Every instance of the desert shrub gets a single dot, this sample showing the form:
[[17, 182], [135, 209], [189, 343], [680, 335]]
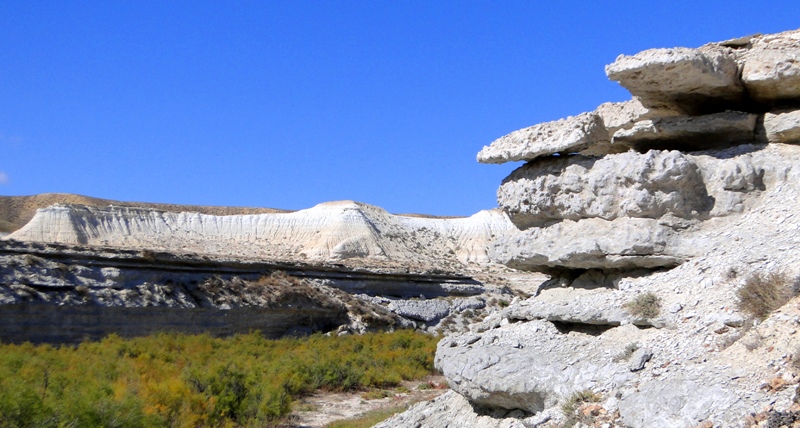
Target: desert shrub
[[376, 394], [572, 405], [762, 293], [626, 353], [196, 380], [644, 306]]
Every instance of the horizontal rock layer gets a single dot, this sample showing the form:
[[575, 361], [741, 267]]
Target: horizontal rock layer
[[572, 134], [629, 184]]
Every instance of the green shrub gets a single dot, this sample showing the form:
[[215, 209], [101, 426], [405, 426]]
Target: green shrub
[[199, 380], [644, 306], [762, 293]]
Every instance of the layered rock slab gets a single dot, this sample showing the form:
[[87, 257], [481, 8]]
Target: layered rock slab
[[572, 134], [625, 243], [693, 81], [690, 133]]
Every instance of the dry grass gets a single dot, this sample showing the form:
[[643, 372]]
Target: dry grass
[[571, 407], [644, 306], [763, 293]]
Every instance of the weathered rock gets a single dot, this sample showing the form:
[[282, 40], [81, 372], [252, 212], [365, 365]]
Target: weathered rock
[[690, 133], [694, 81], [569, 135], [485, 369], [783, 127], [449, 410], [639, 358], [771, 68], [630, 184], [422, 310], [618, 116], [623, 243], [676, 403], [622, 115]]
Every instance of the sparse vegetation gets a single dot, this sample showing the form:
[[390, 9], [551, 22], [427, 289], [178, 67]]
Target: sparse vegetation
[[626, 353], [196, 380], [763, 293], [376, 394], [368, 419], [571, 407], [644, 306]]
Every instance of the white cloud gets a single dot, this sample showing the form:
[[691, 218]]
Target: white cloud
[[3, 178]]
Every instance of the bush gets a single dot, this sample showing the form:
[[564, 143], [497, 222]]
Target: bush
[[644, 306], [196, 380], [762, 293], [571, 407]]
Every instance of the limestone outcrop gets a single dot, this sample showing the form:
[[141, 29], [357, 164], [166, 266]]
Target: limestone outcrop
[[648, 230]]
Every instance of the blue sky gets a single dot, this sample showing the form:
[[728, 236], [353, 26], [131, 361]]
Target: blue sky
[[287, 104]]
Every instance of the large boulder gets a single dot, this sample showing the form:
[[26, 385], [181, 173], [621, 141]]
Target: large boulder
[[485, 367]]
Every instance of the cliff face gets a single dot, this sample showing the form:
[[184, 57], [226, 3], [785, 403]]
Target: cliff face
[[65, 293], [651, 216]]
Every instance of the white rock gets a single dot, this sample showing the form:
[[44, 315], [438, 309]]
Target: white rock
[[771, 67], [621, 185], [572, 134], [783, 127], [689, 80]]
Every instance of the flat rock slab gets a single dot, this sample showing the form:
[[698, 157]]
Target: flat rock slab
[[624, 243], [573, 134], [694, 81], [423, 310], [690, 133], [783, 127]]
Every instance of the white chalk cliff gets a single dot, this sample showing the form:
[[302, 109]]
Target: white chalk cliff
[[331, 231]]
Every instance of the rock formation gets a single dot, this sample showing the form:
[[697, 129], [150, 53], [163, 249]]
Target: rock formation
[[650, 215]]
